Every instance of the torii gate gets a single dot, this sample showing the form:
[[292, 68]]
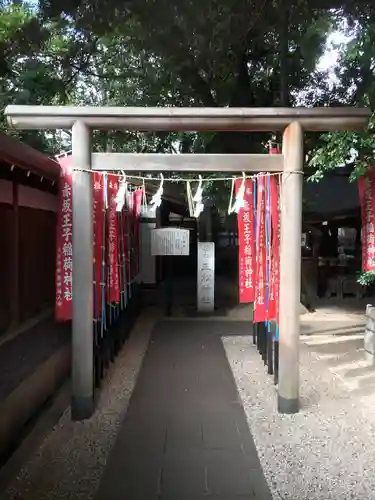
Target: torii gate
[[291, 121]]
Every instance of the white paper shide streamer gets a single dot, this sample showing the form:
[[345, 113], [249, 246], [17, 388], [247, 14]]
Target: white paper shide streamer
[[240, 196], [122, 194], [197, 199], [157, 198], [195, 202]]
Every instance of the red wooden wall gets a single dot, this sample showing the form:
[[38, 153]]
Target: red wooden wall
[[34, 287], [5, 270]]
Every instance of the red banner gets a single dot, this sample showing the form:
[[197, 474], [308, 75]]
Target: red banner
[[125, 241], [99, 213], [366, 187], [274, 264], [274, 150], [64, 243], [138, 202], [261, 253], [131, 224], [113, 270], [138, 196], [246, 244]]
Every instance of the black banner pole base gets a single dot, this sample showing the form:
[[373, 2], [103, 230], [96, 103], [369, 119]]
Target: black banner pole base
[[255, 333], [263, 332], [270, 352], [276, 362]]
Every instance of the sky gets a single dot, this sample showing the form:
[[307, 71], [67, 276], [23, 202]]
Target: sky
[[330, 57], [335, 44]]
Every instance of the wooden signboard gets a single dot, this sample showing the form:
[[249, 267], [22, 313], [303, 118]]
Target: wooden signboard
[[170, 241]]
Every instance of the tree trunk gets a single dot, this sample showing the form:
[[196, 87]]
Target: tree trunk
[[284, 50]]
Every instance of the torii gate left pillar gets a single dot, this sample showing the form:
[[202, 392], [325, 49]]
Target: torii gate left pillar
[[83, 403]]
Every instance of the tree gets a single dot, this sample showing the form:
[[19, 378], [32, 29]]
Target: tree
[[162, 53], [355, 86], [40, 63], [212, 53]]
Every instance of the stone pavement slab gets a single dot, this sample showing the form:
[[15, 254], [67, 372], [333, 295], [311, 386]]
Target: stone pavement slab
[[185, 434]]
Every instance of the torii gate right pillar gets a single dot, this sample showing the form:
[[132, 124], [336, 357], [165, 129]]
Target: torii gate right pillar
[[290, 269]]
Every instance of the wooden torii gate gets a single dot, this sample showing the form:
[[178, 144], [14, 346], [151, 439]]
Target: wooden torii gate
[[291, 121]]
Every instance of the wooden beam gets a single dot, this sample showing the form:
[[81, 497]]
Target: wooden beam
[[154, 162], [188, 119]]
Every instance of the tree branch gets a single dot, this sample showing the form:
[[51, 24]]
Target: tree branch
[[242, 95], [284, 50], [201, 88]]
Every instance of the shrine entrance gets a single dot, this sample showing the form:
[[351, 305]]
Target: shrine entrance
[[292, 122]]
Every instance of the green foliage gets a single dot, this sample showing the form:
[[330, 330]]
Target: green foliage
[[189, 53], [212, 53], [40, 63], [161, 53], [355, 86], [366, 279], [343, 148]]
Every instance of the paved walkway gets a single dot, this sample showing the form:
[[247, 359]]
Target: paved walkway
[[185, 435]]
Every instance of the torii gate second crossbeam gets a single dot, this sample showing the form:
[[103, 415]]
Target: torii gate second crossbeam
[[291, 121]]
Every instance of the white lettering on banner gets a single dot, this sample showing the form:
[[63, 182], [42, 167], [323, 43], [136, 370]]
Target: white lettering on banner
[[68, 249], [58, 280], [370, 230], [112, 243], [67, 192], [246, 270], [248, 283], [170, 241], [66, 226], [66, 206], [68, 264]]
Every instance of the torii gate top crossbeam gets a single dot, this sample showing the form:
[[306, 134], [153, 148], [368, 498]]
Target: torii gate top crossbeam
[[188, 119]]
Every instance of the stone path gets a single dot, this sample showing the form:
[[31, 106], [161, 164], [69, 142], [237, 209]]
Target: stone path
[[185, 434], [340, 348]]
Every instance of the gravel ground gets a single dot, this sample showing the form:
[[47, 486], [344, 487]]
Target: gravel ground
[[325, 451], [69, 463]]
